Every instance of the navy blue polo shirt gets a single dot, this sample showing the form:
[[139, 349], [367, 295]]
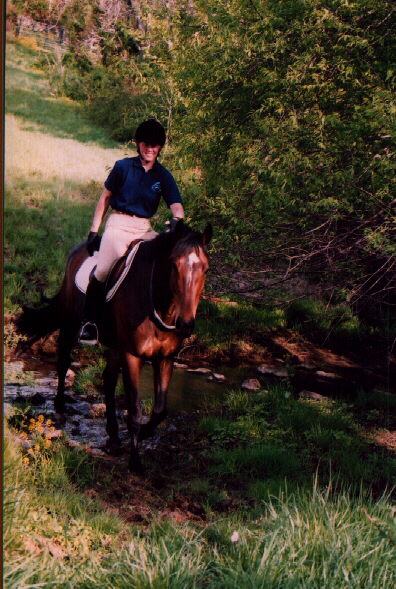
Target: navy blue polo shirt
[[138, 192]]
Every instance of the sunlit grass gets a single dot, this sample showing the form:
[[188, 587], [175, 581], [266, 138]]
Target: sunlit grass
[[33, 153]]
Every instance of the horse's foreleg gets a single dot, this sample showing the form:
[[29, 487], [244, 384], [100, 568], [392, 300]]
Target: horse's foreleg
[[110, 377], [65, 345], [163, 370], [131, 374]]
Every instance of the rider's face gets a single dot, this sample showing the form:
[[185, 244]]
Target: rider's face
[[148, 152]]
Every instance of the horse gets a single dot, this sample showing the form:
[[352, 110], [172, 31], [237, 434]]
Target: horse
[[150, 314]]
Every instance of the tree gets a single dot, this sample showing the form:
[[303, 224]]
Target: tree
[[286, 108]]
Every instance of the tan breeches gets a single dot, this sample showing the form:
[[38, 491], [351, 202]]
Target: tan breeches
[[120, 230]]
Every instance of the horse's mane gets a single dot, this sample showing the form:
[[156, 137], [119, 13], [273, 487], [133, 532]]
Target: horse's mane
[[189, 241], [165, 242]]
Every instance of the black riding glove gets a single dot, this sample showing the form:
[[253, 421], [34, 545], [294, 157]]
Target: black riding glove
[[93, 242], [174, 222]]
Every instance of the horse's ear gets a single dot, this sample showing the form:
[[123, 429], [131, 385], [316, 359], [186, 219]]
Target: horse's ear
[[207, 234]]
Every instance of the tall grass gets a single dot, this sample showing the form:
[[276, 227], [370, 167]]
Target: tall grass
[[55, 536]]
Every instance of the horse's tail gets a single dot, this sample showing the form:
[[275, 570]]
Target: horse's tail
[[36, 323]]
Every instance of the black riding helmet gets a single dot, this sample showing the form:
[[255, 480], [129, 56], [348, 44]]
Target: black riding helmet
[[151, 132]]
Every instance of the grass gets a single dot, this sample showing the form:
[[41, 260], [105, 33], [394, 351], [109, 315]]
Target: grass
[[28, 97], [335, 324], [312, 537], [225, 324], [36, 253], [270, 437], [37, 154], [52, 182]]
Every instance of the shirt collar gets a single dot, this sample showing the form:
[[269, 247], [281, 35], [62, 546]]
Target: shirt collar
[[138, 164]]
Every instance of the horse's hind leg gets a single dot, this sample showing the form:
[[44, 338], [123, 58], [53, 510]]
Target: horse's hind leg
[[66, 341], [110, 377], [131, 373]]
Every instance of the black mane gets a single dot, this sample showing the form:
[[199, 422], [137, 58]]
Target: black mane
[[165, 244], [189, 241]]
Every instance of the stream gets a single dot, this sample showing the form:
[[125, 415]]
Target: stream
[[31, 382]]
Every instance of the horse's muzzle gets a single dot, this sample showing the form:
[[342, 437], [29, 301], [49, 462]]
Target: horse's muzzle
[[185, 327]]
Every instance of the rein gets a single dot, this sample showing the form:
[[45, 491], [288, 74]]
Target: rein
[[154, 316]]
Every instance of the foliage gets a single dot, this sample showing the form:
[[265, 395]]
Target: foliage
[[36, 9], [283, 113], [286, 109]]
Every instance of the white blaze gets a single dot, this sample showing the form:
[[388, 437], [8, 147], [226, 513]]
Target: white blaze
[[192, 259]]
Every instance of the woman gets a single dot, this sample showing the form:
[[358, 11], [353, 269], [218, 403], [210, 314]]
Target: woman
[[133, 190]]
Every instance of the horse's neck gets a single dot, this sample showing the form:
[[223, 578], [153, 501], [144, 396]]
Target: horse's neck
[[162, 294]]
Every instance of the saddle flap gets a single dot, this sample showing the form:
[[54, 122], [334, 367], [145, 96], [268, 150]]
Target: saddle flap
[[117, 274], [120, 269]]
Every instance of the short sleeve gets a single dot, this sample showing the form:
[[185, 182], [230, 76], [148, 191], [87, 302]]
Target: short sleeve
[[114, 179], [170, 190]]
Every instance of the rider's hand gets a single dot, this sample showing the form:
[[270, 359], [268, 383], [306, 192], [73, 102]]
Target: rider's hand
[[174, 222], [93, 242]]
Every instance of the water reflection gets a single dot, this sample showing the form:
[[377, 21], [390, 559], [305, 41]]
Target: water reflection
[[189, 391]]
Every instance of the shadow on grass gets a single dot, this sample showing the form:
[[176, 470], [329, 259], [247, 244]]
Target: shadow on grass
[[264, 444], [58, 117]]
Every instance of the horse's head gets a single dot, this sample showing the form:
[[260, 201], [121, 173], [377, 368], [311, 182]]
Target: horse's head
[[189, 267]]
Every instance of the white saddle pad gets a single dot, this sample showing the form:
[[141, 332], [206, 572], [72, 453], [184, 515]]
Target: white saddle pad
[[84, 272]]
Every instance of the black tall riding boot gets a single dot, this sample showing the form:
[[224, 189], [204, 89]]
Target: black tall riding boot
[[94, 301]]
